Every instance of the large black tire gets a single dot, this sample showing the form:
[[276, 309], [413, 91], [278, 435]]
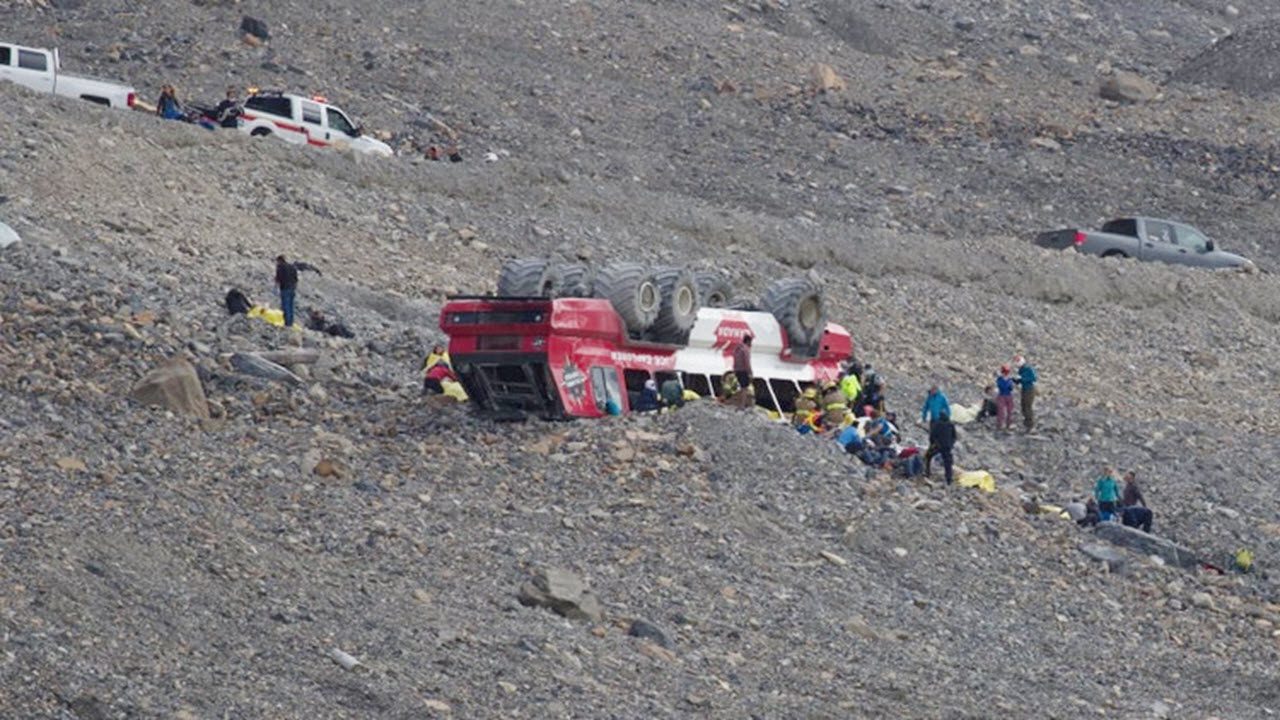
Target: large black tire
[[678, 308], [632, 291], [713, 290], [571, 280], [525, 277], [801, 310]]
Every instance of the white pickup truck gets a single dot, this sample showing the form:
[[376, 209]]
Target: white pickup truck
[[41, 70], [311, 121]]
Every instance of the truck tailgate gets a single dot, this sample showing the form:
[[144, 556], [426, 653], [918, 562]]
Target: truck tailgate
[[1059, 239]]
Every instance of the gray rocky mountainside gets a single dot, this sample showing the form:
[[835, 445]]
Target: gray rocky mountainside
[[334, 546]]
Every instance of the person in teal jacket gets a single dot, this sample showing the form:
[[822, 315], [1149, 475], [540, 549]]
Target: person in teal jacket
[[1027, 380], [935, 406], [1106, 490]]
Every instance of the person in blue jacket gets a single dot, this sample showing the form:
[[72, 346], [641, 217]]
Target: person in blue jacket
[[1027, 380], [935, 406]]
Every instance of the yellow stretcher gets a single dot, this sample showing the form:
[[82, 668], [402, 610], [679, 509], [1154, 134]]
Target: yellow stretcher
[[980, 479]]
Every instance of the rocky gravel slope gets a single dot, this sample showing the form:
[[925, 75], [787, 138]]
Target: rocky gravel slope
[[153, 565]]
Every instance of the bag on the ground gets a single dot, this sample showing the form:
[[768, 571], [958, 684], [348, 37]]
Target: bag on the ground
[[1243, 560]]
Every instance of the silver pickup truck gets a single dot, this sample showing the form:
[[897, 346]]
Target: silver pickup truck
[[1145, 239]]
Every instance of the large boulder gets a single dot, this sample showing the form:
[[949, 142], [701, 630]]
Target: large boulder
[[8, 236], [257, 366], [563, 592], [254, 27], [1128, 88], [1147, 544], [174, 386]]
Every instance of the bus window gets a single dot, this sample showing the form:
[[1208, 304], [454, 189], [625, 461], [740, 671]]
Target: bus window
[[786, 391], [715, 385], [634, 379], [662, 377], [698, 384], [604, 385], [764, 398]]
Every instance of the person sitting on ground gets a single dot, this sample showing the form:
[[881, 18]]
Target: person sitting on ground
[[908, 462], [318, 322], [168, 106], [873, 393], [1106, 490], [988, 408], [877, 427], [671, 394], [648, 400], [891, 426], [1134, 512], [850, 440], [237, 302], [1091, 514], [227, 113], [942, 441], [873, 454], [436, 375]]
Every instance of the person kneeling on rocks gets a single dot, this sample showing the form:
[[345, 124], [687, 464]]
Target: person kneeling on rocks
[[436, 375], [1133, 507]]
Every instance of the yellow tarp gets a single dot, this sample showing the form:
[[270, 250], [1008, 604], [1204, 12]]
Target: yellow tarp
[[1045, 509], [271, 315], [980, 479], [454, 390], [963, 415]]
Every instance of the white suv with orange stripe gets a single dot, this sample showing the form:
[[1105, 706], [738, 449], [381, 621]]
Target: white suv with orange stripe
[[310, 121]]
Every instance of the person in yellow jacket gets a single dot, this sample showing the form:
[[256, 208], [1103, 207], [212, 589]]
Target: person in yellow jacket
[[851, 387], [834, 406], [437, 354], [808, 400]]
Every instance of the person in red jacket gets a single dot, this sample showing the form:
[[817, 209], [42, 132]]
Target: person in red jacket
[[435, 375]]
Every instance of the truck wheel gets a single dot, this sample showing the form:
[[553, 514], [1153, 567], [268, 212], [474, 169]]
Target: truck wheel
[[1114, 254], [633, 293], [799, 307], [260, 132], [713, 290], [570, 280], [678, 308], [525, 277]]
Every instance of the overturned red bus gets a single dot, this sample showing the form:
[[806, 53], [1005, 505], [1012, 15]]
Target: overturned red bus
[[568, 357]]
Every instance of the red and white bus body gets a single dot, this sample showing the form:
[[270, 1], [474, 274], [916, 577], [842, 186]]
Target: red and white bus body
[[568, 357]]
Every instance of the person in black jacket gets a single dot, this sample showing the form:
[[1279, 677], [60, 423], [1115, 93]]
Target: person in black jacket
[[227, 113], [287, 282], [942, 441]]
